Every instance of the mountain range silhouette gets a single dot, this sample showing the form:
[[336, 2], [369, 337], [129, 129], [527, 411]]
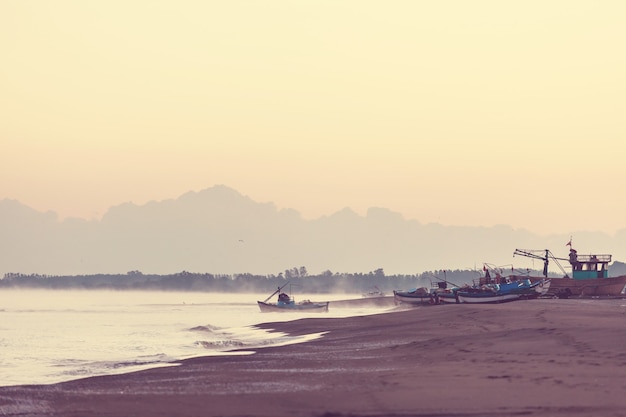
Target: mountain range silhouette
[[218, 230]]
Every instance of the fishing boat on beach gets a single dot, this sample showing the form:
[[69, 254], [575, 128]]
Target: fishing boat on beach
[[286, 303], [448, 297], [438, 294], [501, 292], [445, 294], [420, 296], [590, 274]]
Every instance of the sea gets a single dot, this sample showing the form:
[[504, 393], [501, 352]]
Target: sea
[[50, 336]]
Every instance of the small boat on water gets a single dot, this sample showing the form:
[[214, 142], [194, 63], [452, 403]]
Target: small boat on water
[[590, 274], [287, 303], [374, 292]]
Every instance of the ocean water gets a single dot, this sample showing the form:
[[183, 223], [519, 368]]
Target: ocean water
[[49, 336]]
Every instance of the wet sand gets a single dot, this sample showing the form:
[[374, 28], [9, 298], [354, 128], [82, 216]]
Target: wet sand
[[531, 358]]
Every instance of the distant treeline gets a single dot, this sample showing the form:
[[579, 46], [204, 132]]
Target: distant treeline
[[326, 282]]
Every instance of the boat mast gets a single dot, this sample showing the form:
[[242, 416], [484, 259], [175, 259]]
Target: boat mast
[[276, 292], [533, 254]]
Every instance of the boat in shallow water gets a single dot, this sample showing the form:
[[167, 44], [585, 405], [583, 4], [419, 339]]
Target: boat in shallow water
[[305, 305], [373, 293], [287, 303]]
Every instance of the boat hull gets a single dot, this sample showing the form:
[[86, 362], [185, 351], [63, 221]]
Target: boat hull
[[523, 289], [448, 298], [485, 298], [418, 298], [306, 307], [612, 286]]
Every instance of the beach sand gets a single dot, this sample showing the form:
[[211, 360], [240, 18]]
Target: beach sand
[[530, 358]]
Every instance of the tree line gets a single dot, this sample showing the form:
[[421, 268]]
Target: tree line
[[298, 278]]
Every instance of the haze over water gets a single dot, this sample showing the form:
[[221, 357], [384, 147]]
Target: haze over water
[[53, 336]]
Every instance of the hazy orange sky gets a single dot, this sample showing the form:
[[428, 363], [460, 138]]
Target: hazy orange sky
[[456, 112]]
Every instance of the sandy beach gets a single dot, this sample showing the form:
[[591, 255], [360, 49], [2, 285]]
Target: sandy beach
[[532, 358]]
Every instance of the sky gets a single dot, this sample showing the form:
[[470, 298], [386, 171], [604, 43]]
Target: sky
[[465, 113]]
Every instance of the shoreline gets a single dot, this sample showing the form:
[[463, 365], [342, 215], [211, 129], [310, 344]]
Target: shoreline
[[535, 357], [47, 340]]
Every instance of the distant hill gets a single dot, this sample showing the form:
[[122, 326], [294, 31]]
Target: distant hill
[[220, 231]]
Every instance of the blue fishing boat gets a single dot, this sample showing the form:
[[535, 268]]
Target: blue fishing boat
[[502, 292]]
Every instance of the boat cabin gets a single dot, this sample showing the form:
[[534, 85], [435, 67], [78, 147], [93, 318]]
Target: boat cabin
[[284, 298], [589, 266]]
